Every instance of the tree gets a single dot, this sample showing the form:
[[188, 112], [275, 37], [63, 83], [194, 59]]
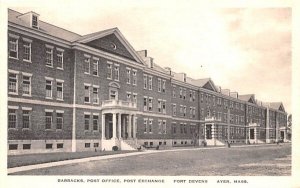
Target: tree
[[289, 127]]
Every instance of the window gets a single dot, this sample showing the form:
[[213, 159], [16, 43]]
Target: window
[[145, 103], [95, 122], [113, 94], [86, 94], [159, 105], [96, 145], [150, 125], [174, 91], [150, 101], [48, 120], [237, 106], [128, 96], [145, 125], [164, 107], [13, 83], [86, 122], [12, 146], [117, 71], [35, 22], [49, 88], [95, 67], [26, 85], [134, 77], [60, 59], [13, 46], [159, 84], [12, 118], [145, 81], [87, 145], [174, 128], [134, 97], [26, 146], [59, 145], [191, 95], [164, 125], [59, 120], [27, 51], [194, 95], [109, 71], [184, 94], [159, 126], [49, 146], [49, 56], [150, 82], [181, 110], [86, 66], [59, 90], [191, 112], [164, 86], [180, 93], [128, 75], [184, 111], [26, 119], [174, 109], [95, 95], [184, 129]]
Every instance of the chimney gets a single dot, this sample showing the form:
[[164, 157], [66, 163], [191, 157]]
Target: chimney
[[184, 77], [234, 94], [169, 70], [142, 53]]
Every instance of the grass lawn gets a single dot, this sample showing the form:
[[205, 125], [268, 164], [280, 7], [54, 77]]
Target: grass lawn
[[30, 159], [268, 160]]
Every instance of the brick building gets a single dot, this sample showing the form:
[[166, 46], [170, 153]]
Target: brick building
[[68, 92]]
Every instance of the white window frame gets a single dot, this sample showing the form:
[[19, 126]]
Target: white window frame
[[30, 83], [95, 95], [163, 86], [89, 93], [15, 44], [16, 73], [164, 126], [49, 56], [134, 97], [145, 78], [95, 64], [174, 109], [109, 70], [150, 126], [15, 108], [51, 85], [150, 80], [128, 75], [160, 126], [62, 89], [128, 96], [60, 58], [159, 84], [150, 104], [174, 91], [28, 46], [117, 72], [145, 99], [87, 64], [62, 119], [134, 77], [51, 119]]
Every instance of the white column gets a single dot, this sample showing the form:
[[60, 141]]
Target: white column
[[119, 125], [103, 127], [134, 126], [114, 125], [129, 126]]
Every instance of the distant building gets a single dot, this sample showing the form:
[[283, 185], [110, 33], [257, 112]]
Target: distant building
[[68, 92]]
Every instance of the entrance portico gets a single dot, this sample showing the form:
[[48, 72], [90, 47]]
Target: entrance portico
[[118, 125]]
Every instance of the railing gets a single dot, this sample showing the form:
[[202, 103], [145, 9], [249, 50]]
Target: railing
[[118, 103], [212, 118]]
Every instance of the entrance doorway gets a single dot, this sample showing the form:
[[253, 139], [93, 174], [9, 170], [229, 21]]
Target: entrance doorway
[[208, 132], [251, 133]]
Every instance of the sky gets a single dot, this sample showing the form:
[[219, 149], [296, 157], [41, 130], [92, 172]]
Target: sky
[[244, 49]]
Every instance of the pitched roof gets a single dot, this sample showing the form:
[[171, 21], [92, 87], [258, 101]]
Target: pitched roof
[[201, 82], [44, 27], [277, 106], [247, 97]]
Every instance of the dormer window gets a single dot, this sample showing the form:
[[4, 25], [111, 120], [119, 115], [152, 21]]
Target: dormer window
[[35, 22]]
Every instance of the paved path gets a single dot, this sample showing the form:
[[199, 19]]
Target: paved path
[[73, 161]]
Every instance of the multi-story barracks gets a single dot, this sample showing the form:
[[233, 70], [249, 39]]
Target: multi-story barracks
[[68, 92]]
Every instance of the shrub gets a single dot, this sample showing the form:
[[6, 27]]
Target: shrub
[[115, 148]]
